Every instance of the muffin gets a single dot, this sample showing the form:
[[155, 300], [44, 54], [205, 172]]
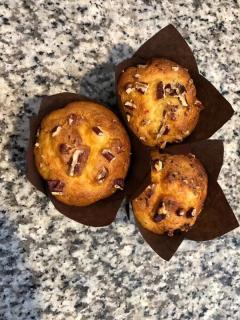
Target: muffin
[[159, 101], [83, 152], [176, 195]]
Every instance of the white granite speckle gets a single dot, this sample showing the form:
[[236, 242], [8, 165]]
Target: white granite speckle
[[54, 268]]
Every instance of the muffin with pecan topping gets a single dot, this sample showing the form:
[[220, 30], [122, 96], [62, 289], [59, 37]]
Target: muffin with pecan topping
[[176, 195], [83, 152], [159, 101]]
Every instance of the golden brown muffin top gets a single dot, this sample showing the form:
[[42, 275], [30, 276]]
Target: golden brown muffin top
[[176, 195], [159, 101], [83, 151]]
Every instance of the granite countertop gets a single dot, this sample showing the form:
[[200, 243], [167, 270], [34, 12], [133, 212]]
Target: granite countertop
[[52, 267]]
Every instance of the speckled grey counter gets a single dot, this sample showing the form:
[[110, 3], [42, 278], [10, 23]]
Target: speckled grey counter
[[54, 268]]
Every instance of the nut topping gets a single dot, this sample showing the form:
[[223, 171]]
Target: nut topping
[[141, 87], [108, 155], [137, 76], [191, 213], [180, 88], [162, 144], [170, 233], [175, 68], [55, 131], [170, 89], [149, 191], [118, 183], [158, 217], [36, 144], [129, 88], [56, 187], [182, 99], [79, 160], [74, 161], [157, 165], [64, 148], [130, 105], [128, 115], [166, 131], [180, 212], [97, 130], [72, 119], [160, 90], [199, 104], [102, 174], [142, 66], [161, 131]]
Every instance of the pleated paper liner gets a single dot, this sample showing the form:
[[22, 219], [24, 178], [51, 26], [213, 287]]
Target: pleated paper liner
[[104, 211], [169, 44], [216, 218]]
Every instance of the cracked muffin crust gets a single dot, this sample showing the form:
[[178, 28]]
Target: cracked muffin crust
[[176, 195], [159, 101], [83, 152]]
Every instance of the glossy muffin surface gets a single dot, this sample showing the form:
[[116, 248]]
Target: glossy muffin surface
[[159, 101], [176, 195], [83, 153]]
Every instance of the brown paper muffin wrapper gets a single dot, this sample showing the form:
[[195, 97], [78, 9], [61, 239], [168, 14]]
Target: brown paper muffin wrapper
[[217, 218], [104, 211]]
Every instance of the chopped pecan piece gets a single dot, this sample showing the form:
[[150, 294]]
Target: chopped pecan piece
[[128, 115], [162, 144], [72, 119], [79, 160], [149, 191], [161, 131], [64, 148], [160, 90], [166, 131], [56, 130], [182, 99], [191, 213], [118, 183], [108, 155], [157, 165], [161, 212], [56, 187], [97, 130], [130, 105], [102, 175], [180, 88], [129, 88], [141, 87], [175, 68], [199, 104], [170, 233], [170, 89], [158, 217], [180, 212]]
